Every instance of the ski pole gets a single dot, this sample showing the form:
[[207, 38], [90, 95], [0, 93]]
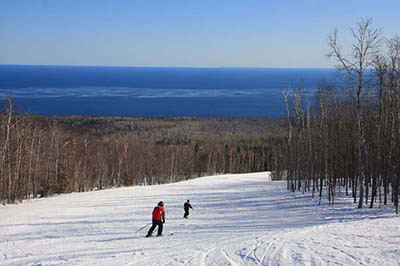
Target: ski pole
[[142, 228]]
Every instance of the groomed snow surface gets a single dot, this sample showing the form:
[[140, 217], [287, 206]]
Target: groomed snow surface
[[238, 220]]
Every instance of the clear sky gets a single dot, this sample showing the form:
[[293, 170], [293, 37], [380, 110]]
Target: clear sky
[[216, 33]]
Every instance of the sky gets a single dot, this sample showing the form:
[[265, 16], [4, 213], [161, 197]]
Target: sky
[[171, 33]]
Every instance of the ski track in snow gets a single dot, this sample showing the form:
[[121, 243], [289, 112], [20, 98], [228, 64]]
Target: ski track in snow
[[237, 220]]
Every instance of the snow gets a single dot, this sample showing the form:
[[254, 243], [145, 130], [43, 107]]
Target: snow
[[237, 220]]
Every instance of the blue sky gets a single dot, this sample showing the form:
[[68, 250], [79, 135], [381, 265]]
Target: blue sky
[[215, 33]]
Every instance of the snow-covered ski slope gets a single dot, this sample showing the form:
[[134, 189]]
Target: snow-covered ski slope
[[238, 220]]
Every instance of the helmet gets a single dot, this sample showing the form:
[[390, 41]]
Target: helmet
[[160, 203]]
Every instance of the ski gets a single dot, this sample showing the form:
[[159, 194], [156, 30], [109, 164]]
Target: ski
[[169, 234]]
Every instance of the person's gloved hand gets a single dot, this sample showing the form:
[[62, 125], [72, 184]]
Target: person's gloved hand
[[163, 221]]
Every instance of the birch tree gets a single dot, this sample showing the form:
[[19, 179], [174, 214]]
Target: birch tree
[[365, 47]]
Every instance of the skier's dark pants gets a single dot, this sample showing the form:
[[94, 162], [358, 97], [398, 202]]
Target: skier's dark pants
[[186, 214], [160, 227]]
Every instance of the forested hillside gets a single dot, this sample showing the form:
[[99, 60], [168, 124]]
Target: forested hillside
[[40, 156]]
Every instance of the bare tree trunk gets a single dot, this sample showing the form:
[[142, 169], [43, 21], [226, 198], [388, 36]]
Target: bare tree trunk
[[290, 185]]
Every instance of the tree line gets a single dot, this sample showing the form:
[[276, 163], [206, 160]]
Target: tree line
[[42, 156], [346, 138]]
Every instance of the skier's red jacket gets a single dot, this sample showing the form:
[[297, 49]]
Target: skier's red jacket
[[158, 213]]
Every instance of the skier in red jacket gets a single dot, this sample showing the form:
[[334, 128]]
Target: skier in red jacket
[[158, 219]]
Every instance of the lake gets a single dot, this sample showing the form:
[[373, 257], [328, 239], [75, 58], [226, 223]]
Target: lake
[[154, 91]]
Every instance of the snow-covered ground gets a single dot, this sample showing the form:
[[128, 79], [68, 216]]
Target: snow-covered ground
[[238, 220]]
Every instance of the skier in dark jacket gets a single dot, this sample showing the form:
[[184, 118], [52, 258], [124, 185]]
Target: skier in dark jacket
[[158, 219], [186, 207]]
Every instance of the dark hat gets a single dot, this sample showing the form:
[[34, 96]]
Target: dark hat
[[160, 203]]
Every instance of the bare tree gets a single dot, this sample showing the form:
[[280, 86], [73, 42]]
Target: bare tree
[[365, 47]]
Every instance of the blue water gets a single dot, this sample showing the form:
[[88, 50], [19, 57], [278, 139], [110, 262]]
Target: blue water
[[153, 91]]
